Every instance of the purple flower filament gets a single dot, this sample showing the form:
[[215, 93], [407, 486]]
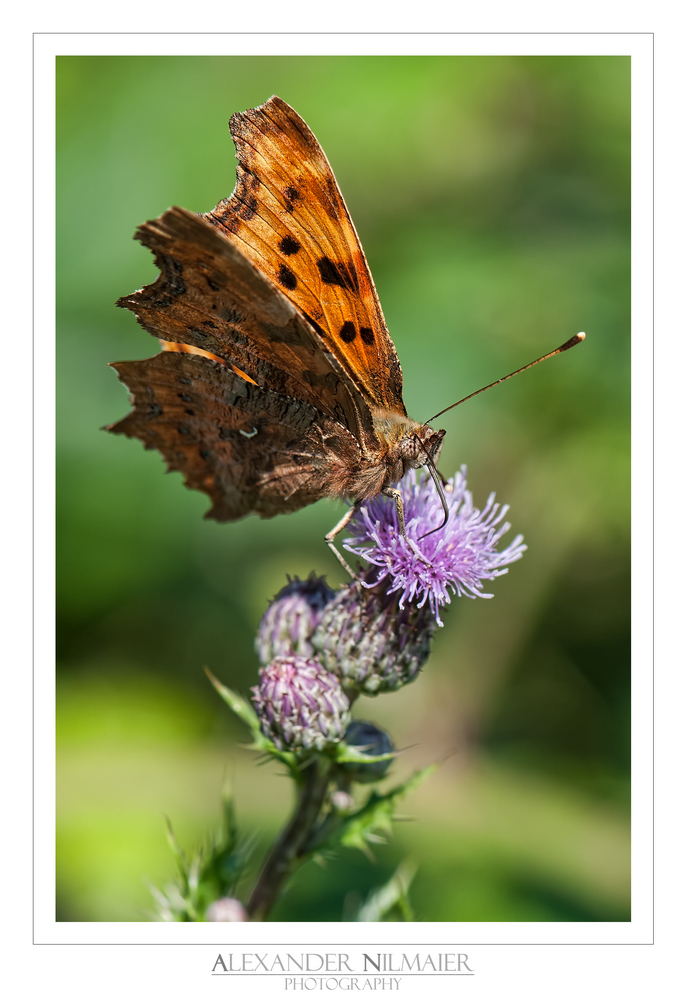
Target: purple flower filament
[[457, 558]]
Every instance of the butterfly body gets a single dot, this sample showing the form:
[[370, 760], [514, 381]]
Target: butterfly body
[[278, 383]]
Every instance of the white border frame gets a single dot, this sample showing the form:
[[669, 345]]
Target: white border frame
[[640, 47]]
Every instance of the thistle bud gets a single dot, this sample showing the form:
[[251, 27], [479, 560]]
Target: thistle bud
[[372, 643], [301, 706], [369, 739], [291, 619]]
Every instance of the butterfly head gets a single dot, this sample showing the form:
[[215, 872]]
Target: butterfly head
[[409, 445], [420, 446]]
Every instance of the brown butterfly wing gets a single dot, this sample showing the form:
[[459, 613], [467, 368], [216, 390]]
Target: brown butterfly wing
[[287, 216], [210, 297], [286, 362], [247, 447]]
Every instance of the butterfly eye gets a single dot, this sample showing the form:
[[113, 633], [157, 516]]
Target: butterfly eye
[[410, 447]]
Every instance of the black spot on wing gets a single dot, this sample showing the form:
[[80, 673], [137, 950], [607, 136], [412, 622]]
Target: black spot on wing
[[230, 221], [247, 209], [291, 196], [367, 335], [348, 332], [337, 274], [352, 276], [329, 272], [287, 278], [289, 246], [245, 203]]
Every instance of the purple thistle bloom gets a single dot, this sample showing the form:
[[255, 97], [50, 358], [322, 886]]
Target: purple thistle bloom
[[456, 558], [301, 706], [291, 618]]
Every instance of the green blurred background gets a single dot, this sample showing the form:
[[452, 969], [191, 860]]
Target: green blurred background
[[492, 196]]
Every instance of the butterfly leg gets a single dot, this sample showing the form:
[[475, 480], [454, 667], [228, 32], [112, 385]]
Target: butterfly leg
[[329, 538], [397, 497]]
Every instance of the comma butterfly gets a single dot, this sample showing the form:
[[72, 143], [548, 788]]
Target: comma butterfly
[[278, 383]]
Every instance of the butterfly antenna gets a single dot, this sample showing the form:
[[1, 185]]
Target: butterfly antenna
[[437, 482], [577, 339]]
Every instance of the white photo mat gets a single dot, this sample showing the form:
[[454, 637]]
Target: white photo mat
[[484, 943]]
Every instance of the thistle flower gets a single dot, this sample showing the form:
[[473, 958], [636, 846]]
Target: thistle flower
[[369, 739], [301, 706], [226, 910], [424, 570], [291, 619], [369, 641], [342, 801]]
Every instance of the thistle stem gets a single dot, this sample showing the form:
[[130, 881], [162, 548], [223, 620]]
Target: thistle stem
[[292, 842]]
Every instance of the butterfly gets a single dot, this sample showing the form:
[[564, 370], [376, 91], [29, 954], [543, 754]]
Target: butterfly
[[278, 383]]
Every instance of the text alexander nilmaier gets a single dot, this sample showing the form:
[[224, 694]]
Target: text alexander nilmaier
[[416, 963]]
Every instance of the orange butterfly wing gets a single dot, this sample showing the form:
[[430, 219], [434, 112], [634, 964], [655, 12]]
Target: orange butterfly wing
[[287, 216]]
